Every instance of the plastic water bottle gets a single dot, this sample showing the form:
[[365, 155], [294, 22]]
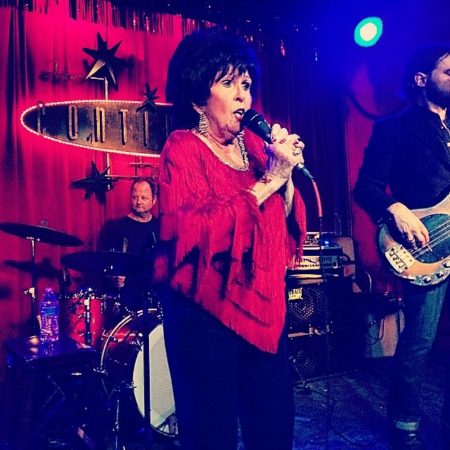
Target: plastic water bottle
[[49, 312]]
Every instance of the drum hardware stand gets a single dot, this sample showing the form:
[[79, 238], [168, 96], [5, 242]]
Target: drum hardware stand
[[171, 423], [141, 341], [117, 394], [31, 291], [86, 298], [100, 370], [156, 304], [147, 304], [117, 307], [138, 342], [87, 317], [146, 361], [65, 281]]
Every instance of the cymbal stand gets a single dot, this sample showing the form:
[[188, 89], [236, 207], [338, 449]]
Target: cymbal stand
[[116, 424], [117, 394], [31, 291], [147, 304], [146, 361]]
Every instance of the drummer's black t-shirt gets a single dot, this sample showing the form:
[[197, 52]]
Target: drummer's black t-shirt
[[128, 235]]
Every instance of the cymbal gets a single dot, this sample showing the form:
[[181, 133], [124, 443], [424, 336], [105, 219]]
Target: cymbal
[[108, 262], [40, 233]]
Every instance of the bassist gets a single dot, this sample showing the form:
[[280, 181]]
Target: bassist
[[410, 154]]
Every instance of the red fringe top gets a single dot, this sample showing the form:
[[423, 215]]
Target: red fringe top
[[226, 253]]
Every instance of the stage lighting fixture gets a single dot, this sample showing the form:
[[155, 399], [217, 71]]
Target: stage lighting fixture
[[368, 31]]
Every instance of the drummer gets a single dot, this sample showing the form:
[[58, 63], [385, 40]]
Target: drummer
[[135, 233]]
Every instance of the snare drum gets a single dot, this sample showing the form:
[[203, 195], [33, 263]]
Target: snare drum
[[122, 363], [80, 313]]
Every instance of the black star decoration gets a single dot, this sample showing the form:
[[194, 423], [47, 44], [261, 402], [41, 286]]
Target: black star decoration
[[97, 183], [149, 103], [105, 60]]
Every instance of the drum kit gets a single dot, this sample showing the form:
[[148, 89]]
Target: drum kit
[[132, 360]]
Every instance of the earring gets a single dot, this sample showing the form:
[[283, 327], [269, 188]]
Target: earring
[[202, 124]]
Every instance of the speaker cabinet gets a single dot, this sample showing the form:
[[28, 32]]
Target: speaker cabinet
[[307, 307], [316, 356], [323, 326], [317, 305]]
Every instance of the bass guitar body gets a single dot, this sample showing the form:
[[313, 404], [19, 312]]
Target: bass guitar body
[[424, 266]]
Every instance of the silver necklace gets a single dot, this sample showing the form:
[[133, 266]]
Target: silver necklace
[[240, 141]]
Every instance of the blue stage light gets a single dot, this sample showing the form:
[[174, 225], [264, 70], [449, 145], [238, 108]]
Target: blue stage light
[[368, 31]]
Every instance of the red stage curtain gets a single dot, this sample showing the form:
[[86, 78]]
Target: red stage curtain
[[36, 173]]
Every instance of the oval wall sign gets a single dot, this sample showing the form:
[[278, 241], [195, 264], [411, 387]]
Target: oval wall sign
[[106, 125]]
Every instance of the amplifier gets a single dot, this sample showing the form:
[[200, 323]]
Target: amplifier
[[318, 259], [308, 310], [319, 305]]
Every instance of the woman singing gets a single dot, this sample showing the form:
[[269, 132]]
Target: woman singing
[[229, 215]]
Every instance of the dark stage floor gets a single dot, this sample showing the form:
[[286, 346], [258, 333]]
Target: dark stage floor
[[349, 411], [345, 411]]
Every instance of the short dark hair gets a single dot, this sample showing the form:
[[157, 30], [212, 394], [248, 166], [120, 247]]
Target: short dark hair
[[149, 181], [193, 67], [423, 60]]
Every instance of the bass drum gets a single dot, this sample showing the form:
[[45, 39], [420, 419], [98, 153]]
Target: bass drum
[[122, 363]]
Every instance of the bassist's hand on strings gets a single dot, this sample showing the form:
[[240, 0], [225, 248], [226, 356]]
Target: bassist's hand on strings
[[409, 225]]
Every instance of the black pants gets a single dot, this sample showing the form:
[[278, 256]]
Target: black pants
[[218, 377]]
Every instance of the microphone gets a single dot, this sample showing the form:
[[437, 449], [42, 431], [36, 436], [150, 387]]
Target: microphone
[[255, 122]]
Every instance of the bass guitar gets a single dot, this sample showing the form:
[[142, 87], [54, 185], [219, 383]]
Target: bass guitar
[[424, 266]]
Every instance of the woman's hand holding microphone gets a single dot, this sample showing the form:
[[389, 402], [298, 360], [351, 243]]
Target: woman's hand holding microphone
[[284, 154]]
